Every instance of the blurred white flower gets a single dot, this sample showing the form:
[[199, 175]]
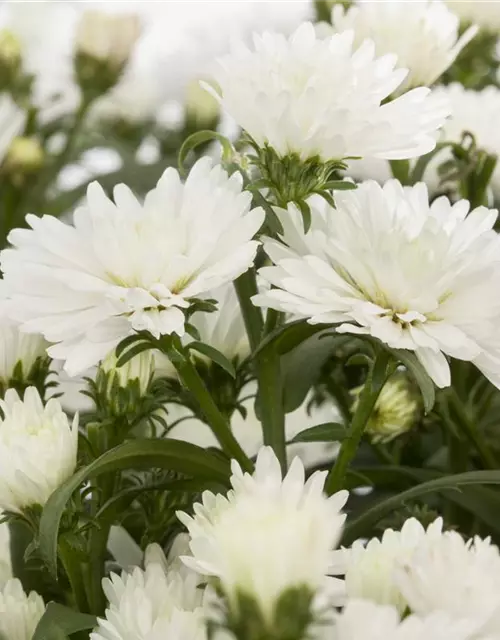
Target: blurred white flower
[[152, 603], [315, 97], [12, 121], [18, 348], [5, 562], [245, 539], [364, 620], [460, 577], [106, 37], [473, 112], [248, 430], [37, 449], [485, 13], [370, 568], [424, 35], [386, 263], [129, 266], [19, 613]]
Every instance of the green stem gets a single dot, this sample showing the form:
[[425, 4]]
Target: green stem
[[367, 399], [470, 430], [73, 569], [246, 288], [216, 421]]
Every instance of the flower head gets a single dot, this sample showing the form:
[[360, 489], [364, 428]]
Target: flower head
[[5, 560], [152, 603], [245, 540], [370, 569], [126, 266], [388, 264], [424, 35], [313, 97], [19, 613], [37, 449]]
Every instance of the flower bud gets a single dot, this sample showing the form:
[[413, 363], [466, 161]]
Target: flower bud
[[38, 448], [19, 613], [24, 359], [396, 410], [104, 43], [25, 155], [10, 58], [202, 109]]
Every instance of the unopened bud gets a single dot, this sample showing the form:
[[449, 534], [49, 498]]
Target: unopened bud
[[104, 43], [202, 109], [10, 58], [140, 368], [25, 156]]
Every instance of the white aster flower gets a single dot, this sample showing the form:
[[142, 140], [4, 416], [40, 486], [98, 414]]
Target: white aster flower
[[244, 540], [460, 577], [5, 561], [386, 263], [128, 266], [314, 97], [485, 13], [37, 449], [424, 35], [370, 569], [12, 120], [364, 620], [18, 348], [152, 603], [19, 613]]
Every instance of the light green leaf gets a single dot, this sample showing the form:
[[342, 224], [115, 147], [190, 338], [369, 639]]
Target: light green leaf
[[200, 137], [326, 432], [214, 355], [58, 622]]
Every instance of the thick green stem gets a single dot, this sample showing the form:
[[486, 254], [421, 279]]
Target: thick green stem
[[246, 288], [267, 367], [216, 421], [367, 400], [73, 569]]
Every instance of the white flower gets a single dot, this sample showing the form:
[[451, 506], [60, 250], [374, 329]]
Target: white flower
[[19, 613], [485, 13], [152, 603], [12, 120], [424, 35], [18, 348], [461, 577], [246, 541], [108, 37], [129, 266], [37, 449], [370, 569], [317, 97], [473, 112], [364, 620], [5, 561], [386, 263]]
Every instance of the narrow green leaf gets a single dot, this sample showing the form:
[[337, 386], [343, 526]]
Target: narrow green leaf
[[326, 432], [401, 170], [201, 137], [59, 621], [130, 340], [133, 351], [425, 383], [288, 336], [362, 524], [214, 355], [340, 185], [305, 210], [165, 454], [272, 221]]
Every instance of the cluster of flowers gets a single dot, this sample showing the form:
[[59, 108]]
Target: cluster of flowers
[[409, 270]]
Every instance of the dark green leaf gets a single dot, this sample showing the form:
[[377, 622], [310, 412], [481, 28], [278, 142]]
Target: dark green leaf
[[305, 210], [326, 432], [363, 523], [410, 361], [288, 336], [165, 454], [136, 349], [214, 355], [272, 222], [59, 621], [201, 137], [401, 170], [340, 185]]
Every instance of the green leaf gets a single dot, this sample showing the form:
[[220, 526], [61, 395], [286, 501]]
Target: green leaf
[[340, 185], [401, 170], [214, 355], [305, 210], [165, 454], [272, 221], [59, 621], [425, 383], [363, 523], [201, 137], [136, 349], [288, 336], [326, 432]]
